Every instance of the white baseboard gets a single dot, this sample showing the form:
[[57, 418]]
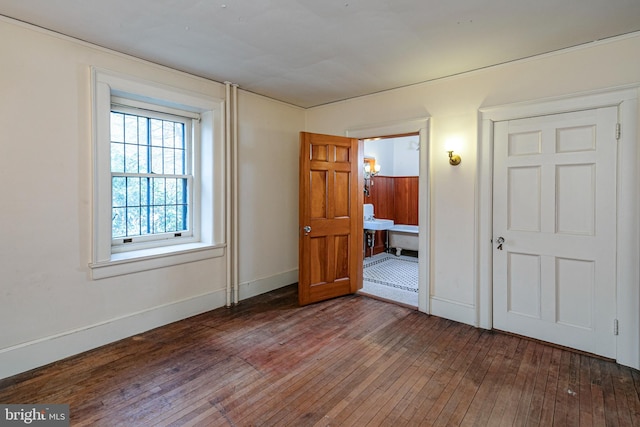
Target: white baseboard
[[267, 284], [453, 310], [33, 354]]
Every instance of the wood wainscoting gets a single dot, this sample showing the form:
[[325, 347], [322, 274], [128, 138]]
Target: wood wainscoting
[[396, 198], [349, 361]]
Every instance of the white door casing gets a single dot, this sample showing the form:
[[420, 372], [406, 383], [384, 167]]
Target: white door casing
[[554, 276]]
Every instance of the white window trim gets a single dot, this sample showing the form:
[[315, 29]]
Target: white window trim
[[211, 240]]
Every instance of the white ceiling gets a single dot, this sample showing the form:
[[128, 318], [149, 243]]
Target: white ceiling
[[312, 52]]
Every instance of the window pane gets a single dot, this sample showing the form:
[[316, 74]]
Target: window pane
[[145, 197], [143, 128], [181, 217], [168, 133], [133, 191], [179, 130], [156, 132], [117, 127], [144, 219], [181, 191], [158, 219], [117, 157], [158, 192], [118, 192], [156, 160], [131, 158], [171, 218], [171, 191], [130, 129], [143, 140], [118, 222], [133, 221], [143, 158], [180, 170], [169, 163]]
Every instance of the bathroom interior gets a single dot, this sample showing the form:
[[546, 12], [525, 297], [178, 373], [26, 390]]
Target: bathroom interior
[[391, 170]]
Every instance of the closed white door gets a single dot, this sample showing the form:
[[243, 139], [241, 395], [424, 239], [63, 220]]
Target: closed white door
[[555, 229]]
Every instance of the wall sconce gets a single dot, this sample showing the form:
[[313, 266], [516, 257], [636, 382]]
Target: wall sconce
[[371, 169], [454, 159]]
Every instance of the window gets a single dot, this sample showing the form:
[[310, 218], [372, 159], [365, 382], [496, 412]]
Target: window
[[151, 176], [158, 192]]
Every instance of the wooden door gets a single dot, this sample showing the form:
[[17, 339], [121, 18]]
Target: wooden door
[[555, 209], [331, 233]]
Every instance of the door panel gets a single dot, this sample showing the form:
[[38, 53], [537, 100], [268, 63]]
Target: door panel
[[524, 284], [524, 187], [575, 199], [331, 198], [555, 208]]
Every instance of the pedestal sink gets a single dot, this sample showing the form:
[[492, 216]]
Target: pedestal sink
[[373, 225], [378, 224]]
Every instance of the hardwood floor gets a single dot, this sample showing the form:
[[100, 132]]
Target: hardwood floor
[[348, 361]]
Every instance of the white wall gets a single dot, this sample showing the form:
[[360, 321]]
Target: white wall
[[406, 159], [382, 151], [268, 200], [396, 156], [453, 105], [49, 306]]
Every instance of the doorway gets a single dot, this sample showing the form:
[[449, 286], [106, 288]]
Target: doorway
[[419, 128], [391, 194]]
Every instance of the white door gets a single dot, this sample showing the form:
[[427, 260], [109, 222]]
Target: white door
[[555, 207]]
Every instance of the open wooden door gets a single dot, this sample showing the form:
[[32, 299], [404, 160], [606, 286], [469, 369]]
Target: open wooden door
[[331, 233]]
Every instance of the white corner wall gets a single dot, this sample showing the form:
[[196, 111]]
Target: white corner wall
[[453, 105], [49, 306], [269, 145]]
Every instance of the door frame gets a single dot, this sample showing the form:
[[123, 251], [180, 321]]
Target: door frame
[[420, 126], [627, 188]]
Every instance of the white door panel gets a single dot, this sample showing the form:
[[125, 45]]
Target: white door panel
[[555, 207]]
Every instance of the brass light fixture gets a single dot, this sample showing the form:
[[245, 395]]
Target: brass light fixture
[[454, 159], [371, 169]]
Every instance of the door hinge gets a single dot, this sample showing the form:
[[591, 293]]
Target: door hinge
[[618, 131], [615, 326]]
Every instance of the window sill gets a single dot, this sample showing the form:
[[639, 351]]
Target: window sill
[[150, 259]]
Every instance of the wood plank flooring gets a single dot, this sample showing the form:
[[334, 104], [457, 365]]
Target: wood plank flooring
[[352, 361]]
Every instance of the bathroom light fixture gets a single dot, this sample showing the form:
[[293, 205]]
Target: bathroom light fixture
[[454, 159], [369, 174], [376, 169]]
